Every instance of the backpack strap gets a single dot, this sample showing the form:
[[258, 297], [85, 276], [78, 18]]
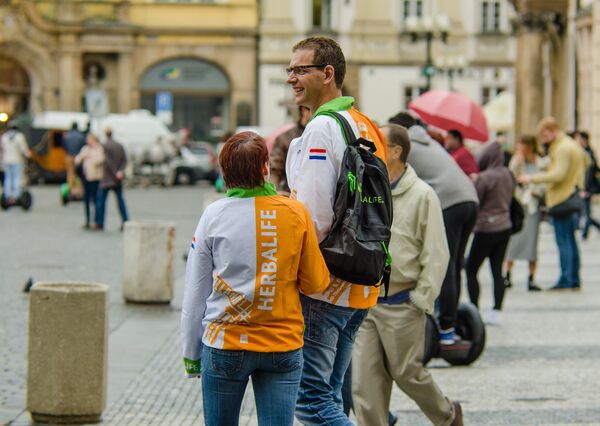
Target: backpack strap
[[348, 133]]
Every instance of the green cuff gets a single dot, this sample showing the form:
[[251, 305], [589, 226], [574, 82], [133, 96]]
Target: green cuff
[[192, 367]]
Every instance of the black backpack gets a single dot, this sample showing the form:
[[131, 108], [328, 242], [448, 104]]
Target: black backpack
[[356, 249]]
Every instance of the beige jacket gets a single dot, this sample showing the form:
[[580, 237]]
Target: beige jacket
[[418, 245], [566, 171], [93, 162]]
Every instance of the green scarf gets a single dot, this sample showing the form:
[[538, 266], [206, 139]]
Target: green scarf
[[342, 103], [267, 189]]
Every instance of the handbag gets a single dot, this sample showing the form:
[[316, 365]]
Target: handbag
[[517, 215], [573, 204]]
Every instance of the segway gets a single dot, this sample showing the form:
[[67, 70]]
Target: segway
[[66, 196], [25, 201], [470, 328]]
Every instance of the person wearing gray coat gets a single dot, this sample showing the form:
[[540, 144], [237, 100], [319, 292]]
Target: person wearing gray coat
[[459, 202]]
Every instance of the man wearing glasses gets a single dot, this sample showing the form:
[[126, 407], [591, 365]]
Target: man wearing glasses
[[332, 318]]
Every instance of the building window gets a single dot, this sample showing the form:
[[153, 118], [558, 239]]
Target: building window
[[412, 8], [490, 92], [490, 16], [411, 93], [322, 14]]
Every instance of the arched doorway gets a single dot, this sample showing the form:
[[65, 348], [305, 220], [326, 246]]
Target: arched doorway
[[15, 88], [188, 93]]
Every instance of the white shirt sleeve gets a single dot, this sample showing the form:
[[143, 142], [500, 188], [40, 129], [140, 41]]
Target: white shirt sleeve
[[317, 172], [198, 287]]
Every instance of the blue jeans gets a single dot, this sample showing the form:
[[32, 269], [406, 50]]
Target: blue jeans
[[329, 334], [13, 173], [564, 231], [101, 206], [587, 217], [275, 380], [90, 197]]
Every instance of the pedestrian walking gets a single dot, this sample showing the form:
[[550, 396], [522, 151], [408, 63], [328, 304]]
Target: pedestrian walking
[[73, 143], [115, 161], [591, 185], [251, 255], [390, 343], [459, 203], [563, 179], [524, 244], [495, 186], [316, 74], [280, 149], [14, 152], [91, 157], [454, 143]]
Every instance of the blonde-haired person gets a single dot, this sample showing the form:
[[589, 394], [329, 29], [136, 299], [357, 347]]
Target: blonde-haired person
[[524, 244], [563, 179], [92, 157], [390, 343]]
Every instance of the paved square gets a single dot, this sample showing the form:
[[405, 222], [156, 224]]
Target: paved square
[[541, 366]]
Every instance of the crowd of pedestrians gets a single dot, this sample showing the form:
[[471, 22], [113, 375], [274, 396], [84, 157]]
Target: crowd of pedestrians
[[92, 170], [260, 303], [316, 346], [100, 168]]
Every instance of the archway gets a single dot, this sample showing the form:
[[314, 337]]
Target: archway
[[15, 88], [188, 93]]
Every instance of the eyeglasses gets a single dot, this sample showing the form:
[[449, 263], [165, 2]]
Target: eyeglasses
[[302, 69]]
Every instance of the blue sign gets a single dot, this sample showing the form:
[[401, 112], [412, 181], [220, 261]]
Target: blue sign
[[164, 107]]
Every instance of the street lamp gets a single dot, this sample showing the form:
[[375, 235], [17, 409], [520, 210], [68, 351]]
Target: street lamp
[[428, 28], [451, 65]]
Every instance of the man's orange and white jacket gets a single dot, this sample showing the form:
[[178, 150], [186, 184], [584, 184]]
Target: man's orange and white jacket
[[313, 168], [251, 254]]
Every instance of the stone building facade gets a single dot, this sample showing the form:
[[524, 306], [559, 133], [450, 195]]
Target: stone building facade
[[194, 59], [587, 22], [385, 65], [558, 64]]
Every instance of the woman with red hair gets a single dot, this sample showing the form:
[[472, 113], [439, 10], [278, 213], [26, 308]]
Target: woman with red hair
[[251, 255]]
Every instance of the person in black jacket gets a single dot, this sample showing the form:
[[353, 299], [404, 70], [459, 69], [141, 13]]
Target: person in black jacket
[[592, 183]]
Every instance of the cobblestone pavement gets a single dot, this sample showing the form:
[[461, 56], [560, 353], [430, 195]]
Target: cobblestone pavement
[[539, 367]]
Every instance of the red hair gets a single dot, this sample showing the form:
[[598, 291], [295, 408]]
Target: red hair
[[242, 160]]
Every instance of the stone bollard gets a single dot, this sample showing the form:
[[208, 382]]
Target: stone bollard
[[148, 261], [67, 359]]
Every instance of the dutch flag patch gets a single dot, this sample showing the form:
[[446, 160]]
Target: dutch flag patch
[[317, 154]]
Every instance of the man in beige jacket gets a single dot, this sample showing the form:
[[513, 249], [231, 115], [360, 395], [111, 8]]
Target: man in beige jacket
[[564, 178], [390, 343]]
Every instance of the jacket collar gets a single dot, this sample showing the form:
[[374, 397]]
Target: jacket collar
[[267, 189], [407, 180], [342, 103]]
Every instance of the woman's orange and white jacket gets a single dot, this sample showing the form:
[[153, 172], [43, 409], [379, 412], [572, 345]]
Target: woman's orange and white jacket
[[251, 254]]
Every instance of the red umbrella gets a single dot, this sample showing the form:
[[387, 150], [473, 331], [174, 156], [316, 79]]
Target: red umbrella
[[451, 110]]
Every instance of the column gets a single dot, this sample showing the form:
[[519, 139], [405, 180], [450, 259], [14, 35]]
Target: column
[[124, 88], [530, 82], [595, 130], [69, 74]]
